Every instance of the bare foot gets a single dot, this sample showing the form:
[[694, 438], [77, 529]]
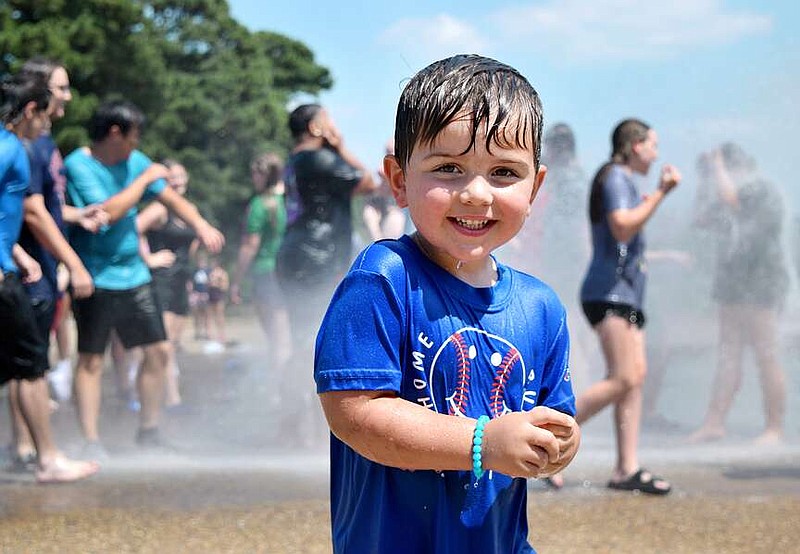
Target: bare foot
[[706, 434], [769, 437], [61, 469]]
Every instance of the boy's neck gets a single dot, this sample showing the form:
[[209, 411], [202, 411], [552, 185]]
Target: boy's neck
[[479, 273]]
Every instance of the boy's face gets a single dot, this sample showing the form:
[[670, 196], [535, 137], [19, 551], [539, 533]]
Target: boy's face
[[466, 204]]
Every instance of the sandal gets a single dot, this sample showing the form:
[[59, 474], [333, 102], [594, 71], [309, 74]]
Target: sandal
[[642, 481]]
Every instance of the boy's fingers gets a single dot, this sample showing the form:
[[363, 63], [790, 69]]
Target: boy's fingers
[[545, 440]]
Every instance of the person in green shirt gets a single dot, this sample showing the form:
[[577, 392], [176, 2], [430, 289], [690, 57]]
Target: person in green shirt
[[263, 233]]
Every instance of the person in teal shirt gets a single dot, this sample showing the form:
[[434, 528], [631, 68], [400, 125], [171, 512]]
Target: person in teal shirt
[[112, 172]]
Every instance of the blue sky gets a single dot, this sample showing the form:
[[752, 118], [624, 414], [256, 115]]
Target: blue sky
[[699, 71]]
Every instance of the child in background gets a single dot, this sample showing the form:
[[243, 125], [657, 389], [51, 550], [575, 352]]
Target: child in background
[[442, 372], [218, 284]]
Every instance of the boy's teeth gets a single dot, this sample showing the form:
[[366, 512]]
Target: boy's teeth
[[470, 224]]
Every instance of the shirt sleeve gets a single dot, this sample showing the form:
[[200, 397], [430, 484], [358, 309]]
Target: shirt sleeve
[[82, 186], [616, 192], [359, 343]]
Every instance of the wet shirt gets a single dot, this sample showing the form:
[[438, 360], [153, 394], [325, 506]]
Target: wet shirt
[[617, 269], [317, 245], [400, 323], [177, 237], [266, 217], [751, 265], [15, 173], [48, 180], [111, 255]]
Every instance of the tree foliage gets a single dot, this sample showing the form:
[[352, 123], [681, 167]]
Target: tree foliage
[[215, 93]]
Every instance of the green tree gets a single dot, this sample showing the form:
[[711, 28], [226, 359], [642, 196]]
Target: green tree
[[215, 94]]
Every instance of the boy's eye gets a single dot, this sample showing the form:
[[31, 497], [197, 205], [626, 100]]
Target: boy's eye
[[447, 168], [505, 172]]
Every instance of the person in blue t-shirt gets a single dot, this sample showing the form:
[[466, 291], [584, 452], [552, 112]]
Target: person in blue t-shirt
[[612, 294], [23, 348], [442, 372], [112, 172]]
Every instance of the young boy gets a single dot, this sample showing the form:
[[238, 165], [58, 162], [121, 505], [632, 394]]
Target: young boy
[[429, 333]]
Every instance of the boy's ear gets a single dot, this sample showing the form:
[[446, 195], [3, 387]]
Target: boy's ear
[[397, 180], [29, 110], [538, 181]]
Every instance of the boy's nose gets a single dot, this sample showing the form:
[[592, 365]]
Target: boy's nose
[[478, 191]]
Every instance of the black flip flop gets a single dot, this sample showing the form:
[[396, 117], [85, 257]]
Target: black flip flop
[[636, 483]]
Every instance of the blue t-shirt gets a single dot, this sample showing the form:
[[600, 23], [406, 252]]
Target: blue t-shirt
[[400, 323], [15, 174], [617, 271], [112, 255], [43, 155]]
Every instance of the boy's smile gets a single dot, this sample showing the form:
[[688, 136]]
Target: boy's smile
[[466, 201]]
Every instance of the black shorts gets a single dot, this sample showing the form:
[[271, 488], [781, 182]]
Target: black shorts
[[596, 312], [134, 314], [23, 349], [172, 294]]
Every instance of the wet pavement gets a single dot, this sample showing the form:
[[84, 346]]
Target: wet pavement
[[232, 484]]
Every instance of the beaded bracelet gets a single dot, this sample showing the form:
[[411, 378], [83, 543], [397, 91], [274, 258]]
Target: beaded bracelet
[[477, 441]]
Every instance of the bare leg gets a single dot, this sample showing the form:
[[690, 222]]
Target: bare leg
[[764, 335], [616, 339], [628, 410], [21, 436], [728, 377], [218, 314], [174, 325], [88, 381], [53, 467], [150, 383]]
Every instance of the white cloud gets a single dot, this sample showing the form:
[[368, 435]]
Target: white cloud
[[433, 38], [581, 30]]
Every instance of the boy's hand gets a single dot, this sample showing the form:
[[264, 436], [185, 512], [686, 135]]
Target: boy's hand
[[569, 438], [81, 280], [93, 218], [212, 238], [156, 171], [530, 444]]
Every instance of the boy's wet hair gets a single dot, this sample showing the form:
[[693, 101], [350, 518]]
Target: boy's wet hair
[[122, 113], [485, 90], [301, 117], [19, 91]]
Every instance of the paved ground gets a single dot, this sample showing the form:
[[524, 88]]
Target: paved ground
[[234, 486]]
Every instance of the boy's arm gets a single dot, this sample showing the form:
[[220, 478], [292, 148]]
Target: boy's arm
[[47, 233], [211, 238], [119, 204], [91, 218], [395, 432]]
